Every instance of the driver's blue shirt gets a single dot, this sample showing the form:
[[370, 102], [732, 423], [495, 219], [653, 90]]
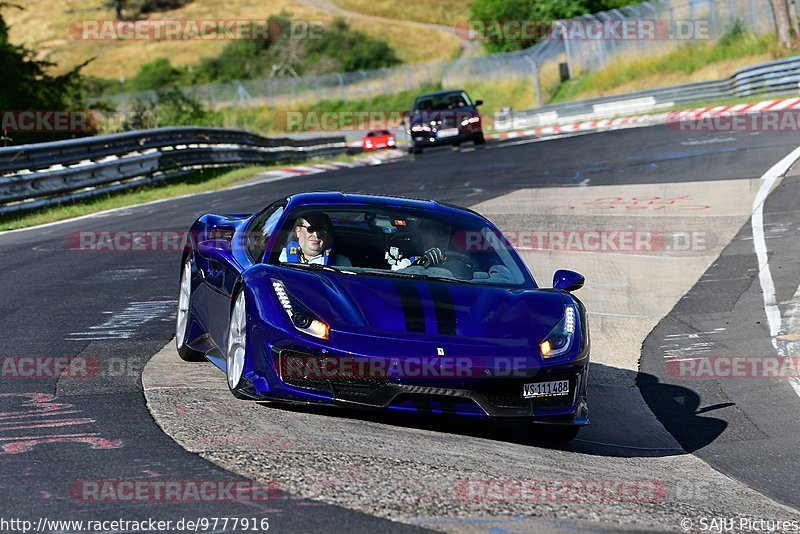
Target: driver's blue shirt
[[293, 254]]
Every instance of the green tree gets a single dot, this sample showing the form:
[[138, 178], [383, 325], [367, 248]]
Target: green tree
[[157, 74], [353, 49], [527, 10], [171, 108], [31, 87]]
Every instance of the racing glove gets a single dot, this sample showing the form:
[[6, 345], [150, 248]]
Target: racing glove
[[433, 257]]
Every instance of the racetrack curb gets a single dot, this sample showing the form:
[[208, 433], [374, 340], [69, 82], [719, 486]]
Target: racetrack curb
[[635, 121]]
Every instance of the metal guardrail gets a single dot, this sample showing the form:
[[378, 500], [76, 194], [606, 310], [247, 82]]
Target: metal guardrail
[[37, 175], [775, 78]]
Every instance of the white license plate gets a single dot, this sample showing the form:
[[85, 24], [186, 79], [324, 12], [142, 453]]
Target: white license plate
[[447, 132], [545, 389]]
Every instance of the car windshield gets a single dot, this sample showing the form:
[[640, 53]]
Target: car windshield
[[401, 243], [439, 102]]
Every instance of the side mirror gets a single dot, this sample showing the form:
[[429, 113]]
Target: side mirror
[[478, 103], [212, 249], [568, 280]]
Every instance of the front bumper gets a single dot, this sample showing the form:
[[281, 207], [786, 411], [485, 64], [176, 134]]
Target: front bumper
[[429, 139], [492, 397]]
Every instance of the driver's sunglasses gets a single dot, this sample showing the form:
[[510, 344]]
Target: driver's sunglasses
[[319, 230]]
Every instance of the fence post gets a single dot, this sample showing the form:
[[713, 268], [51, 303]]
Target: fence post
[[567, 47], [364, 87], [536, 80], [712, 8]]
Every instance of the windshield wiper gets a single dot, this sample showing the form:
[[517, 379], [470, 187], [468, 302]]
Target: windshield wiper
[[316, 267], [445, 279], [380, 272]]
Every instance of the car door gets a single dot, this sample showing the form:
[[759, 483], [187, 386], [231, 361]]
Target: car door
[[224, 271]]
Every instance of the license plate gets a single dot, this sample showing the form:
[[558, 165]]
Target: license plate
[[545, 389], [447, 132]]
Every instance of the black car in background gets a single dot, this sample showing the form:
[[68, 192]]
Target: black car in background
[[444, 118]]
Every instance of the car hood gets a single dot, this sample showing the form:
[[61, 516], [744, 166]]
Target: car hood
[[408, 309]]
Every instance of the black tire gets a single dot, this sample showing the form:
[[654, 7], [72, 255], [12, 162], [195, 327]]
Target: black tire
[[185, 352], [480, 140]]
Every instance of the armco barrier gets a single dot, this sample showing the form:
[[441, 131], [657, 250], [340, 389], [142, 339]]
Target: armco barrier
[[36, 175], [775, 78]]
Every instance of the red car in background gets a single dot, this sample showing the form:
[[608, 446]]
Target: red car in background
[[378, 139]]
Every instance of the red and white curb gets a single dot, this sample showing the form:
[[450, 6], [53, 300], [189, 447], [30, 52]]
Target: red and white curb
[[657, 118], [317, 168]]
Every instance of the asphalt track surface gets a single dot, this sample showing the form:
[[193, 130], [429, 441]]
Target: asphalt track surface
[[50, 295]]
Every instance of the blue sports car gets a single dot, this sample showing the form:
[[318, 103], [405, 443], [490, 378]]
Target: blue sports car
[[385, 303]]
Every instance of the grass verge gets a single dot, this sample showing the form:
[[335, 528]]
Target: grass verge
[[688, 63], [444, 12]]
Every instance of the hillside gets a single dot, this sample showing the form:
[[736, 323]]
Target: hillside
[[44, 25]]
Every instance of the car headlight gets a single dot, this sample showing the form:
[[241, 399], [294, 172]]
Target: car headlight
[[470, 120], [420, 128], [301, 319], [559, 340]]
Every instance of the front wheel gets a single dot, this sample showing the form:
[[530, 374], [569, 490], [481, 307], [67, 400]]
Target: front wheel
[[236, 346], [184, 318]]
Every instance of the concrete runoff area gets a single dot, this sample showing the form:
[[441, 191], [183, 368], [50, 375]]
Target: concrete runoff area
[[415, 470]]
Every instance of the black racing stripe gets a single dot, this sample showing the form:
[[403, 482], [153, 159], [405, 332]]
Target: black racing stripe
[[412, 306], [445, 311]]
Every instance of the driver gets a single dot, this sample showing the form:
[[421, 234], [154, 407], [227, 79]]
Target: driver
[[434, 237], [313, 242]]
